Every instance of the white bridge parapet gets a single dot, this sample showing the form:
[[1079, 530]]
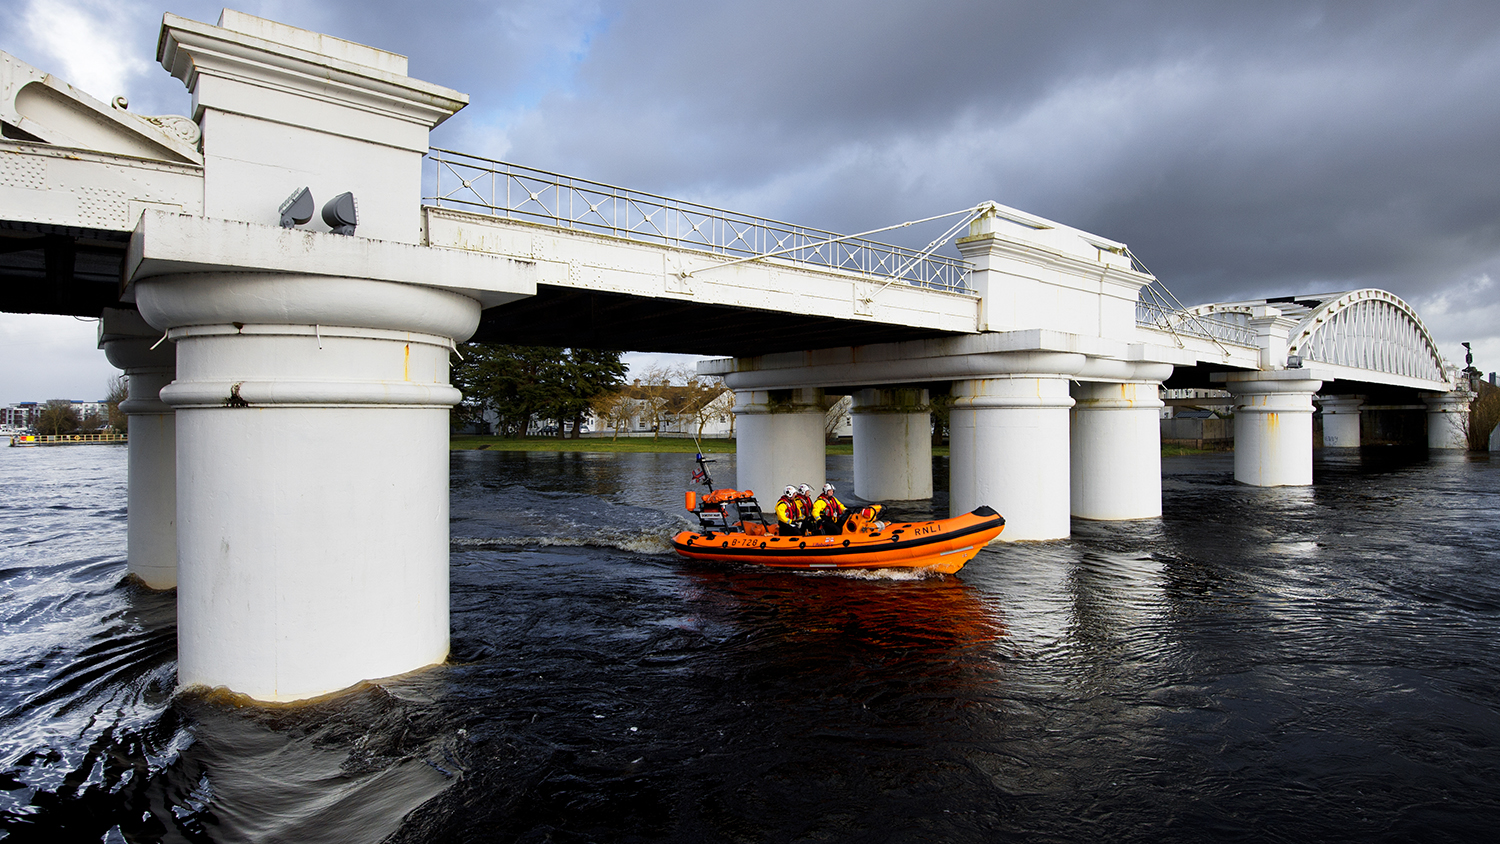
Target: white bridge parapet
[[582, 260]]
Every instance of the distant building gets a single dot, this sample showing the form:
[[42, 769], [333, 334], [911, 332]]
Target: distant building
[[20, 415], [1196, 403], [24, 415]]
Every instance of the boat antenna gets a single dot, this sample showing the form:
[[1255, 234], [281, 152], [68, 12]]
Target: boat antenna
[[702, 475]]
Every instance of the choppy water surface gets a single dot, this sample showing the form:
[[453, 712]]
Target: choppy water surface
[[1282, 665]]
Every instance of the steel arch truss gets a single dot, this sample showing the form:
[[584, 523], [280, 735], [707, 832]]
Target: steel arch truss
[[1368, 329]]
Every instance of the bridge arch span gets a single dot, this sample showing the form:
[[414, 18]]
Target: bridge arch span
[[1368, 329]]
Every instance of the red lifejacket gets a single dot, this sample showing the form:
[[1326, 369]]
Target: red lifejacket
[[793, 509], [804, 505], [832, 507]]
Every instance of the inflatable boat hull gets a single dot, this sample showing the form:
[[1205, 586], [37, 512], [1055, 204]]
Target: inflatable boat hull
[[944, 545]]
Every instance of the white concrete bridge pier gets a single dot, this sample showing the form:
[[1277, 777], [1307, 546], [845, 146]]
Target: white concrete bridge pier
[[1273, 425], [1447, 419], [1008, 440], [1341, 420], [1071, 429], [312, 420], [780, 440], [892, 444], [311, 392], [149, 363], [1115, 455]]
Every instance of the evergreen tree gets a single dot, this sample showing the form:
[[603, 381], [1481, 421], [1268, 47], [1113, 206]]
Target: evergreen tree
[[525, 383]]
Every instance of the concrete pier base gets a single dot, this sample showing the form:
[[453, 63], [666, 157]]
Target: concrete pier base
[[1009, 451], [312, 422], [779, 440], [1448, 419], [892, 445], [151, 527], [1341, 421], [1272, 426], [1115, 465]]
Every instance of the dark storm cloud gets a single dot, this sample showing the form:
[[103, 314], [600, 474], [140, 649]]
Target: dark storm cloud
[[1240, 148]]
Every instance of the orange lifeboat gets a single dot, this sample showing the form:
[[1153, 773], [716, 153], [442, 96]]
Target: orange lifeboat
[[944, 545], [733, 529]]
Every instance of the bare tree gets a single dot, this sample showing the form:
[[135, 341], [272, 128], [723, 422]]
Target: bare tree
[[119, 420], [1483, 416], [613, 409], [654, 392], [701, 398], [834, 415], [58, 417]]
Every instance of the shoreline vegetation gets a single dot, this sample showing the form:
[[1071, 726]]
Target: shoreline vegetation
[[678, 445]]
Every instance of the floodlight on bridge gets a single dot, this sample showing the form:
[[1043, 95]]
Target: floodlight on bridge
[[341, 214], [297, 209]]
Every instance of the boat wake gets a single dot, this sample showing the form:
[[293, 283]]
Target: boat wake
[[889, 575], [646, 540]]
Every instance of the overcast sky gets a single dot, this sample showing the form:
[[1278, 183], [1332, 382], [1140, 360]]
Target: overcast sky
[[1240, 149]]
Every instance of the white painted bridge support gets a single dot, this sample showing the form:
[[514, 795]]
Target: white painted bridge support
[[1272, 426], [1115, 466], [151, 459], [779, 440], [892, 444], [1341, 421], [1009, 450], [312, 476], [1448, 419]]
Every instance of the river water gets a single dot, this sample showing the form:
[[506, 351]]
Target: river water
[[1259, 664]]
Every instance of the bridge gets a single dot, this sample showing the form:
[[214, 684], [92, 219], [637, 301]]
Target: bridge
[[270, 349]]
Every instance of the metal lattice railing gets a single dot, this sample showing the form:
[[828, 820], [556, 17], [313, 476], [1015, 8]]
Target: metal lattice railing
[[1159, 309], [484, 186]]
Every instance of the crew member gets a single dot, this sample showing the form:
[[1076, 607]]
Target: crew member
[[805, 501], [789, 513], [828, 512]]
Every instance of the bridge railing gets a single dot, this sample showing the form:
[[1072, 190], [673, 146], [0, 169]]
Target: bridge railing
[[481, 185], [1159, 309]]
